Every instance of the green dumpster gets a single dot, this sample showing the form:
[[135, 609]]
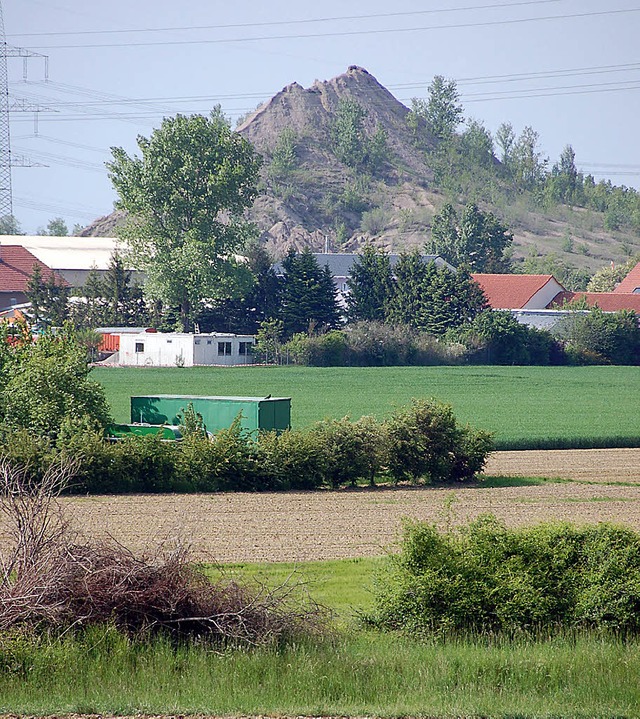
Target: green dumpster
[[256, 413]]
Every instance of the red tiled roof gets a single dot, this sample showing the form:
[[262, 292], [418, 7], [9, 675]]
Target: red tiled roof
[[16, 267], [606, 301], [510, 292], [631, 282]]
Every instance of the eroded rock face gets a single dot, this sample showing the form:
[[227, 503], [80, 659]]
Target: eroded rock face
[[323, 204], [307, 208]]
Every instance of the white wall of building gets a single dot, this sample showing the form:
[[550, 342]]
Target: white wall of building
[[544, 295], [167, 349]]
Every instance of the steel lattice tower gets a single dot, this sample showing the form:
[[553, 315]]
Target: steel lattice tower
[[6, 106], [6, 202]]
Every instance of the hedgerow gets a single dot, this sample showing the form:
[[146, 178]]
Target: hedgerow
[[486, 578], [420, 443]]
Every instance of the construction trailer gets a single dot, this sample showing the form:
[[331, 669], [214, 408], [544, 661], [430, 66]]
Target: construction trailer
[[166, 349], [255, 413]]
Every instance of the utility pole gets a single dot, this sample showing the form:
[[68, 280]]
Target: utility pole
[[6, 160]]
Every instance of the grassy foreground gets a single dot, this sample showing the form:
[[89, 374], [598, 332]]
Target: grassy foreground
[[365, 674], [527, 407], [356, 673]]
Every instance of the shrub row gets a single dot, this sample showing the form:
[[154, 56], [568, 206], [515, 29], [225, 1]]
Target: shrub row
[[421, 442], [486, 578], [491, 337]]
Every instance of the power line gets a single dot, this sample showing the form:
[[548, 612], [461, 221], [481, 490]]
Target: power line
[[272, 23], [30, 204], [559, 91], [66, 160], [343, 33], [496, 94], [56, 140], [108, 99]]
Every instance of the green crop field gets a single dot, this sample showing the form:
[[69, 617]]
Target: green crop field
[[526, 407]]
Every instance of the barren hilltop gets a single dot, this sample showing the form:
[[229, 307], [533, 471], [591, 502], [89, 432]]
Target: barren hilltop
[[312, 196]]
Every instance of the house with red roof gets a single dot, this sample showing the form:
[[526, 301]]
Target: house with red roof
[[16, 267], [519, 292], [606, 301], [540, 300], [631, 283]]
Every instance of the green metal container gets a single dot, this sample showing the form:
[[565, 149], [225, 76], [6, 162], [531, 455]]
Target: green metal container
[[256, 413]]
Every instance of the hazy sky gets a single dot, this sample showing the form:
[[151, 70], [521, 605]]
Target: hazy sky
[[568, 68]]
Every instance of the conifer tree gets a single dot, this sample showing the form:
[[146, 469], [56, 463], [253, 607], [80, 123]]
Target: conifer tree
[[370, 286], [308, 294]]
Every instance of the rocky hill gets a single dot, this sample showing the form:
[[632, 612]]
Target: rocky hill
[[310, 197]]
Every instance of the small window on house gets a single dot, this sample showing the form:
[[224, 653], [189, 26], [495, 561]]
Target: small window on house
[[139, 346], [13, 301], [224, 348], [208, 342], [197, 342], [169, 342], [244, 348]]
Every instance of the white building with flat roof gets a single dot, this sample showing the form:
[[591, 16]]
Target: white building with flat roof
[[181, 349]]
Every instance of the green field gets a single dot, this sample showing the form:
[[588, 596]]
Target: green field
[[526, 407]]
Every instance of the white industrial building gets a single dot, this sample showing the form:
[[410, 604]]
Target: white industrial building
[[180, 349]]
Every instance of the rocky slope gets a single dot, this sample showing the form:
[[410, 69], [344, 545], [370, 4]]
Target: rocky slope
[[320, 202]]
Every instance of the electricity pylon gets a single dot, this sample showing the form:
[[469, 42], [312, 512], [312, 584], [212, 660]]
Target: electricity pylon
[[6, 162]]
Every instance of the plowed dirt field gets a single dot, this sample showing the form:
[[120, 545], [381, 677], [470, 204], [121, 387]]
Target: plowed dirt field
[[301, 526]]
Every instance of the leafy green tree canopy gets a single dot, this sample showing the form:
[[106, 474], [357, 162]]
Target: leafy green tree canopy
[[477, 240], [47, 384], [185, 196], [606, 278], [9, 225], [443, 111], [430, 299], [57, 227], [350, 142]]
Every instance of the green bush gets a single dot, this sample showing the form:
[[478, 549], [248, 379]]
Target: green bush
[[228, 461], [420, 441], [487, 578], [496, 337], [597, 337], [47, 382], [325, 350], [351, 449], [423, 440], [375, 344], [292, 460], [24, 449]]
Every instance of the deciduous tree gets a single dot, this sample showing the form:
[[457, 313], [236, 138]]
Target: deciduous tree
[[185, 196], [477, 240], [48, 383], [443, 111]]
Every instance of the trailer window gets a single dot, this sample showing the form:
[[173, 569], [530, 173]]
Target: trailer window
[[224, 348], [139, 346], [244, 348]]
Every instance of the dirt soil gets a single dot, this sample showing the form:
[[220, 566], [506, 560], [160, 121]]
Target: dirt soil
[[302, 526]]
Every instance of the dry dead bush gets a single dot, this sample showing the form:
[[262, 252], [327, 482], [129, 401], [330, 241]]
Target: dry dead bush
[[52, 581]]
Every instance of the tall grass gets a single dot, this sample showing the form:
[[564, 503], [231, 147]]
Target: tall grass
[[364, 674], [527, 407]]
